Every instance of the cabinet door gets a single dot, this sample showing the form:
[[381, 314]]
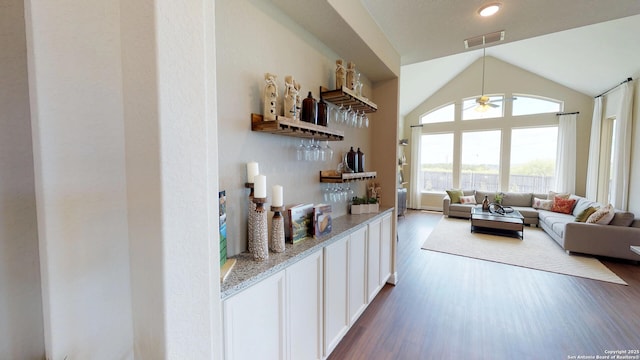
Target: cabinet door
[[304, 303], [254, 321], [357, 274], [386, 250], [336, 317], [373, 260]]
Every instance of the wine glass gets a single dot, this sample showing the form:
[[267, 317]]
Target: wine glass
[[301, 151]]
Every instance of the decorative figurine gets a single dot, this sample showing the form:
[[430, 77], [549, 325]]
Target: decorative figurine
[[297, 86], [351, 75], [340, 74], [290, 97], [270, 96]]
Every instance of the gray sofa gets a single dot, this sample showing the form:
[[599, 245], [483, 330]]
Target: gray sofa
[[612, 240]]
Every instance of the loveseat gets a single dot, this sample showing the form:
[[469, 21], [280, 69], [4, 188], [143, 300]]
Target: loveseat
[[611, 240]]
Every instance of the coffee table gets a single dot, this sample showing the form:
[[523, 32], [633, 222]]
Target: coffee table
[[508, 224]]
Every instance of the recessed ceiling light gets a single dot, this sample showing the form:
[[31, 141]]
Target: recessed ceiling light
[[489, 9]]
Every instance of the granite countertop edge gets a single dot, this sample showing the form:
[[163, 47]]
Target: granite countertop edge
[[247, 272]]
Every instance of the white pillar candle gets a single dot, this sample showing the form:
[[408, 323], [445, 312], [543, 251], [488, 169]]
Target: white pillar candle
[[260, 186], [277, 196], [252, 171]]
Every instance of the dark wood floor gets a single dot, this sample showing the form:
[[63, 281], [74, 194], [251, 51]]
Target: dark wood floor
[[453, 307]]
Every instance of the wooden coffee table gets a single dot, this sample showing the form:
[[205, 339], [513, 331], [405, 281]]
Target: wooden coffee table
[[509, 224]]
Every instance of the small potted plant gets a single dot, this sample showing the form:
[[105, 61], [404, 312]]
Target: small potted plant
[[373, 205], [358, 206]]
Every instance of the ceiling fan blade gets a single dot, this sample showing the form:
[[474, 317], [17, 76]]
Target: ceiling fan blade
[[493, 105]]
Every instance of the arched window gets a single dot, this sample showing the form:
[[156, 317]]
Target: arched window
[[444, 113], [531, 104]]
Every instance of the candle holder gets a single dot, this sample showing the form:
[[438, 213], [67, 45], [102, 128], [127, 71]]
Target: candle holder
[[276, 241], [250, 220], [260, 247]]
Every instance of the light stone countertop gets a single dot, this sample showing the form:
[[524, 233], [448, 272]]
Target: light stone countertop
[[247, 271]]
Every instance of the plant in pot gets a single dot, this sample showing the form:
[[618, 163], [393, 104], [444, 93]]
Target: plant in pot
[[358, 205], [373, 205]]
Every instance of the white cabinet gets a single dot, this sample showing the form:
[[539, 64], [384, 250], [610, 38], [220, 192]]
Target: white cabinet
[[336, 316], [386, 249], [357, 283], [254, 321], [304, 308], [373, 263]]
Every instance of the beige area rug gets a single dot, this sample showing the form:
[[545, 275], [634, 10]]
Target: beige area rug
[[536, 251]]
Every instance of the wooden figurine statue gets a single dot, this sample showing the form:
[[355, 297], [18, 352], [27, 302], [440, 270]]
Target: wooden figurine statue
[[297, 86], [351, 75], [290, 97], [270, 96], [340, 74]]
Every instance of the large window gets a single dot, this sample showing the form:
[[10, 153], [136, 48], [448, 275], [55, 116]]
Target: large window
[[480, 167], [533, 159], [444, 113], [528, 105], [436, 162]]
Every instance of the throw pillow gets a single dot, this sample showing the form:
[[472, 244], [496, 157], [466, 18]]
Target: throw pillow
[[471, 199], [584, 215], [542, 204], [552, 195], [602, 216], [564, 206], [455, 196]]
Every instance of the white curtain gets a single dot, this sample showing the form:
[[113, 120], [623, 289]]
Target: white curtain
[[414, 182], [594, 150], [621, 162], [566, 154]]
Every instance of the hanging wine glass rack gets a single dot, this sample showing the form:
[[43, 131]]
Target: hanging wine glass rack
[[291, 127], [346, 97]]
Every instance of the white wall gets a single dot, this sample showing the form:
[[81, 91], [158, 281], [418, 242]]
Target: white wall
[[76, 108], [21, 328], [171, 158], [255, 38], [502, 77]]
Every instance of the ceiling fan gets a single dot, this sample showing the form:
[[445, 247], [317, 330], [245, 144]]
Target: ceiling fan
[[483, 102]]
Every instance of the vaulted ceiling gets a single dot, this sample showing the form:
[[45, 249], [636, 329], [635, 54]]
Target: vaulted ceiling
[[586, 45]]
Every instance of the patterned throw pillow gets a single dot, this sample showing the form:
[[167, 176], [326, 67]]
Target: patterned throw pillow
[[564, 206], [471, 199], [584, 215], [542, 204], [455, 196], [602, 216]]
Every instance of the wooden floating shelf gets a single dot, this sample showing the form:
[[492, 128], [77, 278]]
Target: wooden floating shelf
[[332, 176], [347, 97], [295, 128]]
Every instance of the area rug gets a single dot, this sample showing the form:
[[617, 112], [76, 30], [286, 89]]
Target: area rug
[[536, 251]]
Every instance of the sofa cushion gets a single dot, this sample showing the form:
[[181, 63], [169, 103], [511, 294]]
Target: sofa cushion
[[552, 195], [555, 221], [516, 199], [542, 204], [480, 194], [622, 218], [582, 204], [584, 215], [602, 216], [470, 199], [460, 208], [455, 195], [527, 212], [562, 205]]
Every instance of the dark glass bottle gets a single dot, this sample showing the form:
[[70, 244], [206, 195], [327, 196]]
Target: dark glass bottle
[[322, 112], [360, 157], [309, 107], [352, 160]]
